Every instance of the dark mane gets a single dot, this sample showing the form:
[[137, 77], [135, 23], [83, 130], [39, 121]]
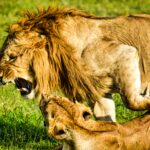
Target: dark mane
[[32, 18], [55, 13]]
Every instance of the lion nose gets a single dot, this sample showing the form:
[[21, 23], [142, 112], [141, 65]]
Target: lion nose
[[2, 81], [59, 130]]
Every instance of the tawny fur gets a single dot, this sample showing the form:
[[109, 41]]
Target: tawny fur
[[70, 122], [85, 56]]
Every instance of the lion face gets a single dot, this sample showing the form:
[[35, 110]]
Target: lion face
[[18, 62], [63, 116], [57, 125]]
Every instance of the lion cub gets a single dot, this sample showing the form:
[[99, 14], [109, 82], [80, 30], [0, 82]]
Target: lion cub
[[74, 123]]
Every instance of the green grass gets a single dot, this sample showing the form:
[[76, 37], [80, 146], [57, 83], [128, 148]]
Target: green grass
[[21, 125], [20, 119]]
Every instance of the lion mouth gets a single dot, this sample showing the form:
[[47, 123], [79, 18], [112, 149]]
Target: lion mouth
[[24, 86]]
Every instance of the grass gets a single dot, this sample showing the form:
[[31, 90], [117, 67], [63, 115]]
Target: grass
[[20, 120]]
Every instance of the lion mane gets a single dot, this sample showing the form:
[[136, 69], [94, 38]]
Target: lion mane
[[58, 67]]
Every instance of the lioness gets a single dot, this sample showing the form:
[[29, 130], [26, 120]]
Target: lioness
[[74, 123], [85, 56]]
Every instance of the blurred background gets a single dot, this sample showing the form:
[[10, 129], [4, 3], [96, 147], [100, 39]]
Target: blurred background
[[21, 124]]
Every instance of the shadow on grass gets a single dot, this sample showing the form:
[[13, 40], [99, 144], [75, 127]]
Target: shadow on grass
[[22, 135]]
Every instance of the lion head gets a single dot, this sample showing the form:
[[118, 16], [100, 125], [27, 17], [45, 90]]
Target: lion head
[[38, 60], [62, 116], [23, 60]]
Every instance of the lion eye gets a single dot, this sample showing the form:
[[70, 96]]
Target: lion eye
[[12, 57], [86, 115]]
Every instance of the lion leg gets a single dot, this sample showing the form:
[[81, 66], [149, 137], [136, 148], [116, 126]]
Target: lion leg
[[105, 109], [129, 80]]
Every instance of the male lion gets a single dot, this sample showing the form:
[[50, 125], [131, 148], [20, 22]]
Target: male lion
[[85, 56], [74, 124]]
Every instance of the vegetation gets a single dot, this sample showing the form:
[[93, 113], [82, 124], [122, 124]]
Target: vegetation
[[21, 124]]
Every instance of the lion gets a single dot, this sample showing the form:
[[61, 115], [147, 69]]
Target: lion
[[74, 123], [87, 57]]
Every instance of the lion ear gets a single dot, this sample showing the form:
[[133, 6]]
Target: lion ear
[[41, 69]]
